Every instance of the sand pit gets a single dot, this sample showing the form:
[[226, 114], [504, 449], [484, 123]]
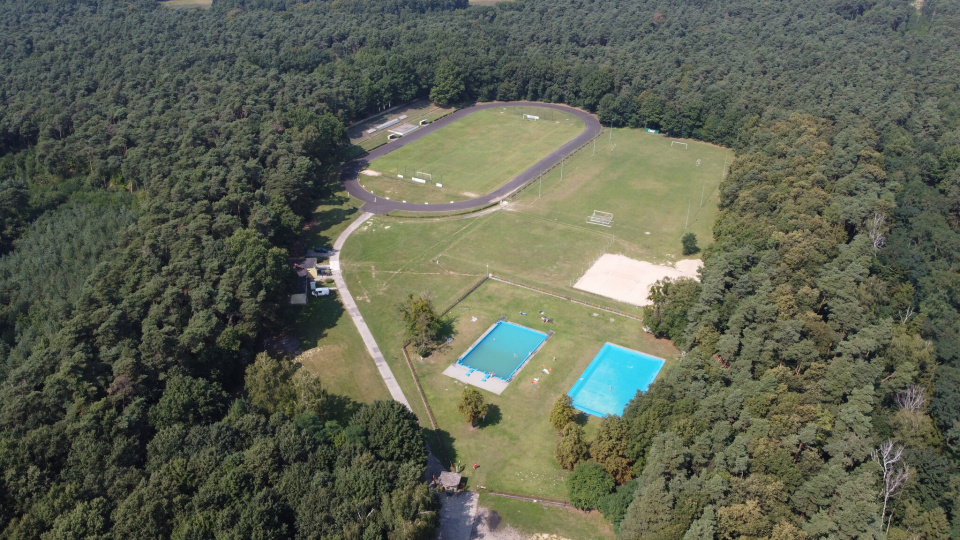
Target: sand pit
[[369, 172], [629, 280]]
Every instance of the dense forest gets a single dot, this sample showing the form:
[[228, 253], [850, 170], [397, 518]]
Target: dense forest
[[156, 165]]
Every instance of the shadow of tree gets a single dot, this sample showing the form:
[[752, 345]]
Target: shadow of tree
[[493, 417], [310, 323], [441, 443]]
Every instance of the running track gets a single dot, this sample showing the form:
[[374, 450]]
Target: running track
[[378, 205]]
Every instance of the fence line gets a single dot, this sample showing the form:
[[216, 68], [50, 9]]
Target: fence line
[[567, 298], [423, 398], [572, 153], [466, 294]]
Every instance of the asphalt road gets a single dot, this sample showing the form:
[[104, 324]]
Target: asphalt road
[[378, 205]]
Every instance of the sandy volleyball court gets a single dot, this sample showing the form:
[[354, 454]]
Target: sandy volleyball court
[[629, 280]]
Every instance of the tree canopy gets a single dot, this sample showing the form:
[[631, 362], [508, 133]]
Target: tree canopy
[[170, 168]]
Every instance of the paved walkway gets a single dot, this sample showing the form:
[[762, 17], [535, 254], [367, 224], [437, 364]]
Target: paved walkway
[[351, 307], [349, 173]]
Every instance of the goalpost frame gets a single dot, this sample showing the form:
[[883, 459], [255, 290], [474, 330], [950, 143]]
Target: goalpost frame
[[604, 219], [679, 143]]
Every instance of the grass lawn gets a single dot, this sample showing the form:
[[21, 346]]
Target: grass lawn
[[415, 111], [541, 239], [532, 518], [332, 347], [474, 155], [648, 185], [514, 445]]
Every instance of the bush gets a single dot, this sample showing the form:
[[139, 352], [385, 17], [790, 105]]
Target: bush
[[689, 242], [588, 485]]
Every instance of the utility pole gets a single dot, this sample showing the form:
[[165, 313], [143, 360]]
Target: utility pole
[[594, 146], [561, 169], [704, 188], [540, 186]]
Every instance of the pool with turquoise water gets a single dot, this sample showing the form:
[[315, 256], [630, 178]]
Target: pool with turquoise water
[[612, 380], [501, 351]]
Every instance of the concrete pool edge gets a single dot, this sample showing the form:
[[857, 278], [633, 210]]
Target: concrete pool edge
[[481, 379]]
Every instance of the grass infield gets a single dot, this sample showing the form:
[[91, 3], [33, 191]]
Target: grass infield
[[472, 156]]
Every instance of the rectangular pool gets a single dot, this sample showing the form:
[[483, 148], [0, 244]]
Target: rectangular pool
[[612, 380], [501, 351]]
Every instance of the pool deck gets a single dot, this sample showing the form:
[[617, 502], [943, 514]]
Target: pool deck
[[492, 384]]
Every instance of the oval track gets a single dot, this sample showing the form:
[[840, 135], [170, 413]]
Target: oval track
[[349, 173]]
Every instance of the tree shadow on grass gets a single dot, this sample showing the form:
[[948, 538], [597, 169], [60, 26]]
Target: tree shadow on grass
[[323, 221], [493, 417], [340, 408], [441, 444], [311, 322]]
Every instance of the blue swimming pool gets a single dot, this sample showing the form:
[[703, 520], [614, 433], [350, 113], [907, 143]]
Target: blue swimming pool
[[501, 351], [612, 379]]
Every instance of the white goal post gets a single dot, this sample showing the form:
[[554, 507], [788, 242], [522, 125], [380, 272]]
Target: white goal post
[[678, 143], [530, 117], [600, 218]]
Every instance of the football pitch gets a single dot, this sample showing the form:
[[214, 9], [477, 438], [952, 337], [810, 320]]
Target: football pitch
[[472, 156]]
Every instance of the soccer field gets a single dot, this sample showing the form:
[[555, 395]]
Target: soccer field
[[472, 156]]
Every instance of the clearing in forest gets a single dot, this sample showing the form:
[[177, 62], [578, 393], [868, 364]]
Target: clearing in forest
[[472, 156], [656, 191]]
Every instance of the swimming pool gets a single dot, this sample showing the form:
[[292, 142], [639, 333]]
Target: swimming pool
[[612, 379], [501, 351]]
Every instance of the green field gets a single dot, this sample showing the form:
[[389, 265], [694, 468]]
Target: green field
[[531, 518], [655, 190], [474, 155], [518, 428], [540, 238], [332, 347], [415, 112]]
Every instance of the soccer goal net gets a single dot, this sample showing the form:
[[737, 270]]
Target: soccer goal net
[[678, 143], [422, 177], [601, 218]]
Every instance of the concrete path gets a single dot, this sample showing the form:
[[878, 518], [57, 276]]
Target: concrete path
[[351, 306], [349, 173], [458, 515]]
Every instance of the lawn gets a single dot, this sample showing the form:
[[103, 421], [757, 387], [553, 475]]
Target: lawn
[[414, 112], [332, 347], [541, 238], [532, 518], [517, 426], [656, 191], [474, 155]]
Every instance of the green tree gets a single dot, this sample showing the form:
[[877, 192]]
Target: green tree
[[572, 447], [188, 400], [689, 242], [448, 86], [588, 484], [563, 412], [671, 300], [392, 431], [472, 406], [422, 322], [609, 448]]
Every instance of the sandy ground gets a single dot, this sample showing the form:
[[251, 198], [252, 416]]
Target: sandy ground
[[457, 516], [369, 172], [629, 280], [489, 527]]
